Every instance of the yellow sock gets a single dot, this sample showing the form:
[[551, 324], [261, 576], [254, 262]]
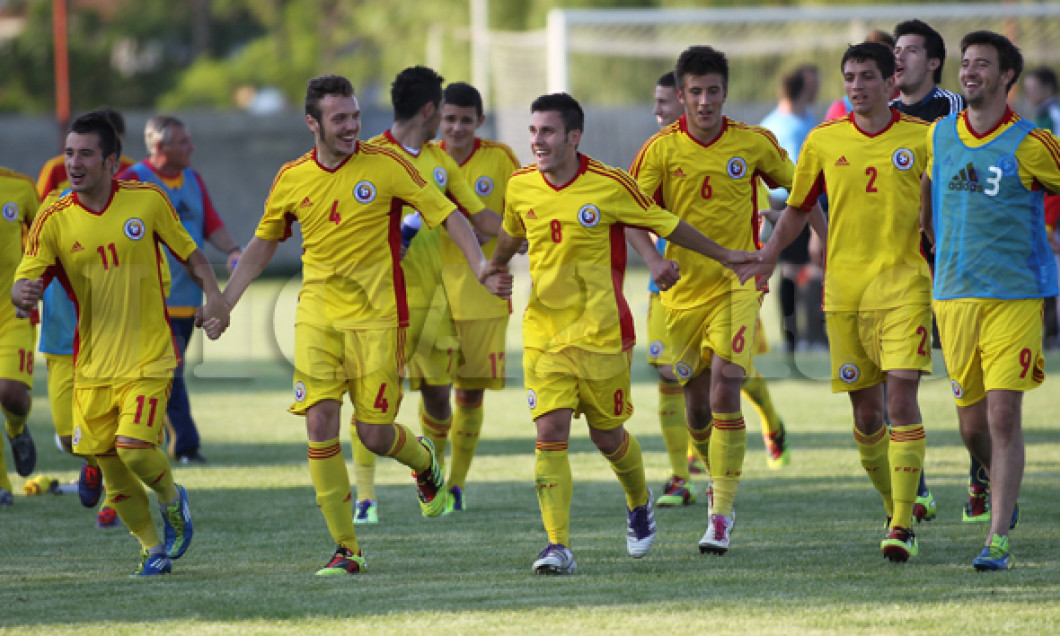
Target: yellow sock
[[674, 425], [408, 450], [700, 442], [363, 467], [327, 467], [152, 467], [126, 494], [628, 464], [5, 481], [90, 460], [906, 457], [15, 423], [555, 488], [757, 392], [727, 451], [467, 424], [873, 451], [437, 431]]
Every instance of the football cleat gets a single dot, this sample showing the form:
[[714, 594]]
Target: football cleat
[[176, 519], [24, 452], [344, 561], [107, 517], [716, 539], [555, 559], [924, 508], [900, 545], [995, 556], [90, 485], [6, 498], [640, 529], [676, 493], [977, 510], [366, 511], [153, 564], [778, 455], [456, 500], [430, 485], [709, 494], [696, 465]]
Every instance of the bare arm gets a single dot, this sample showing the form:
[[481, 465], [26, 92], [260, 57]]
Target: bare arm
[[499, 283], [222, 240], [215, 312], [665, 273], [689, 237], [253, 261], [487, 221], [788, 227], [926, 213]]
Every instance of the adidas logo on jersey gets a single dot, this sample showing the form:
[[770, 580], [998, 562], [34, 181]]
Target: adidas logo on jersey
[[306, 203], [77, 247], [530, 214], [966, 179], [679, 173], [842, 161]]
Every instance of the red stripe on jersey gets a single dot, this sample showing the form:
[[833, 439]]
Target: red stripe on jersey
[[288, 166], [376, 149], [525, 170], [638, 159], [393, 235], [617, 236], [623, 179], [159, 258], [1049, 141], [33, 236], [489, 143], [816, 190]]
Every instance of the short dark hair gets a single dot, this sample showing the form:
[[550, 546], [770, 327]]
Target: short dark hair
[[792, 84], [1008, 56], [463, 95], [97, 122], [412, 89], [320, 87], [667, 80], [1045, 76], [701, 60], [934, 45], [875, 51], [568, 108], [115, 118]]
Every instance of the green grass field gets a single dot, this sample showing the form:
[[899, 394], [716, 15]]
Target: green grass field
[[805, 554]]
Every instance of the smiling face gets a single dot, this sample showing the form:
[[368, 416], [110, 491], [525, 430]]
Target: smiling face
[[982, 81], [703, 97], [914, 71], [87, 169], [459, 124], [668, 107], [554, 147], [336, 132], [865, 87]]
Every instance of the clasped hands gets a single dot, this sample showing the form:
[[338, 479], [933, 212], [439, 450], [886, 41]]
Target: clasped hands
[[746, 265]]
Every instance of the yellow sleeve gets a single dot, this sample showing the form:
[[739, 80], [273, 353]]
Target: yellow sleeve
[[648, 167]]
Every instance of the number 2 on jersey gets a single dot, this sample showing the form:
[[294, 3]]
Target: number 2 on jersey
[[871, 185]]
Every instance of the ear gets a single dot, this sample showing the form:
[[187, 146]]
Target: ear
[[933, 64], [1006, 78], [481, 120], [575, 137], [428, 110]]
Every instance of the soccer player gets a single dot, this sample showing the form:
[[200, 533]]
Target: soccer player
[[705, 169], [102, 242], [352, 312], [667, 107], [878, 314], [52, 177], [577, 329], [841, 107], [480, 319], [987, 169], [168, 166], [17, 332], [919, 54], [431, 347]]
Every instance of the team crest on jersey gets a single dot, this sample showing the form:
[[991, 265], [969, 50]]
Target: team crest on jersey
[[902, 158], [483, 186], [441, 177], [849, 373], [589, 215], [958, 390], [134, 229], [736, 168], [299, 391], [655, 349], [682, 370], [10, 211], [364, 192], [76, 438], [531, 399], [1006, 164]]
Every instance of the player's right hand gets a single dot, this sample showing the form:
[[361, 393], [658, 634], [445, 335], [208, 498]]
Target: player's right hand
[[664, 273], [28, 294]]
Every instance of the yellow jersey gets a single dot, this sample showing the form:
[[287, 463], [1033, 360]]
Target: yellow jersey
[[109, 262], [351, 239], [873, 259], [19, 202], [488, 169], [577, 254], [714, 188]]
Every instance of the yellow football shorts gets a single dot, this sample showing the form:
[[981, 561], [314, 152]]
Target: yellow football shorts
[[368, 364], [432, 349], [596, 384], [725, 326], [660, 343], [864, 345], [61, 392], [16, 351], [991, 344], [135, 409], [482, 353]]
